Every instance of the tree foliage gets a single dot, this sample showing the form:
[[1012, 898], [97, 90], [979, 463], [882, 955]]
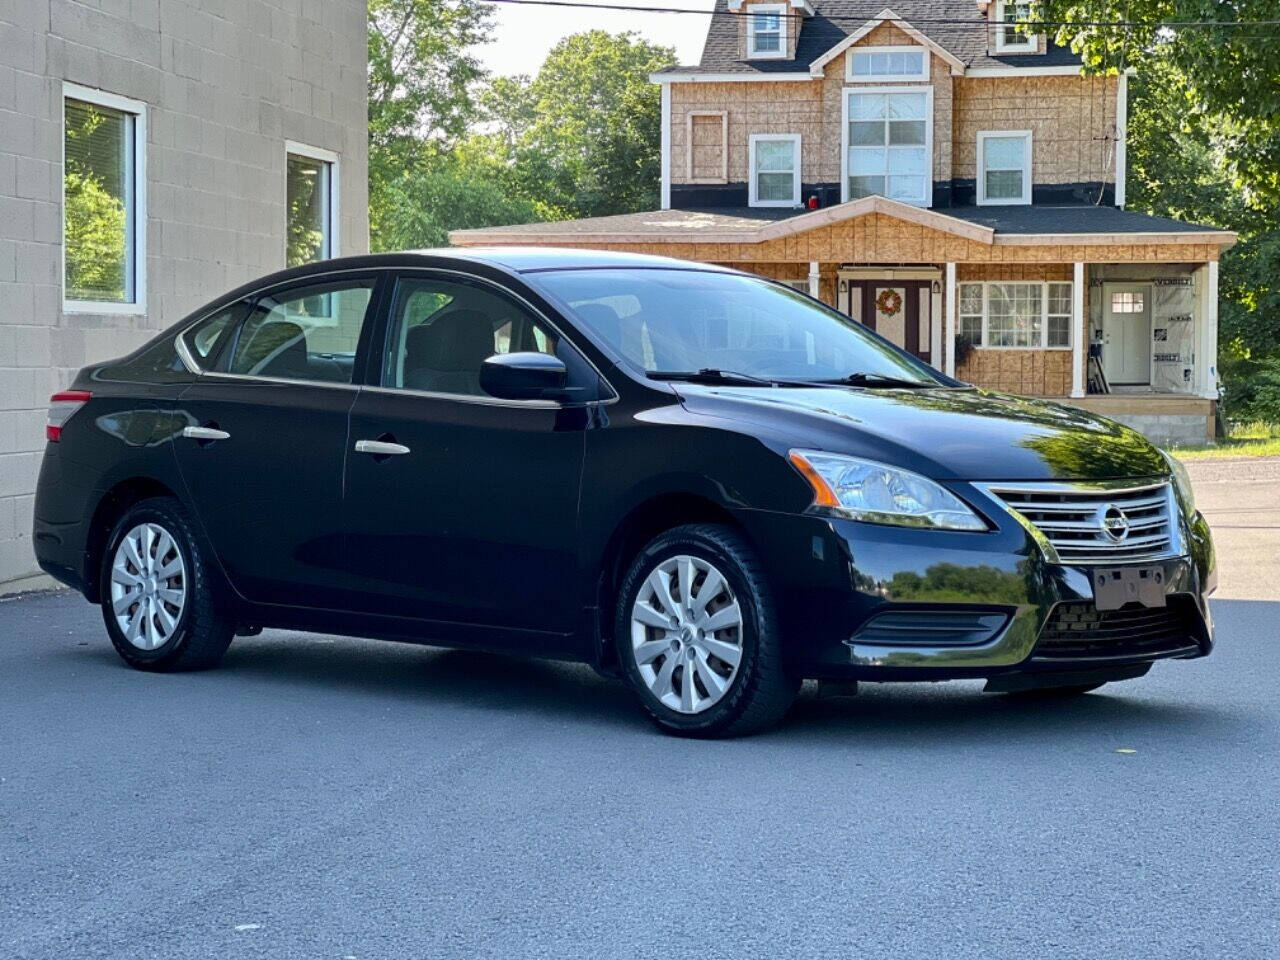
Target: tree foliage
[[450, 147]]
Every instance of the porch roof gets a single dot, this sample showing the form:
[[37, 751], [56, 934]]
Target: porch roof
[[1021, 225]]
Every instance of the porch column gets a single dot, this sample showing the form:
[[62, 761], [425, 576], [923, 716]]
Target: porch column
[[949, 340], [815, 280], [1207, 350], [1079, 335], [664, 147]]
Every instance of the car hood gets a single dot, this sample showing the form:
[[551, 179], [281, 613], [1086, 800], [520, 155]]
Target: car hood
[[960, 434]]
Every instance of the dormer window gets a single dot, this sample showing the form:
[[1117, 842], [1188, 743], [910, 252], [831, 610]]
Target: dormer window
[[1009, 39], [765, 37]]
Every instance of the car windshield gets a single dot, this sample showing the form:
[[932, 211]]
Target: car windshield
[[672, 321]]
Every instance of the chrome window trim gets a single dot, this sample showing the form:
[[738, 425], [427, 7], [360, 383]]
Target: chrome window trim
[[183, 349], [1133, 485], [473, 398]]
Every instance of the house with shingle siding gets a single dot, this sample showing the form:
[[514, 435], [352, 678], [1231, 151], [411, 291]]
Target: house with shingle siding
[[945, 176]]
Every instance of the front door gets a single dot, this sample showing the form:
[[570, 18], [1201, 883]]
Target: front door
[[1126, 333], [899, 310], [460, 508]]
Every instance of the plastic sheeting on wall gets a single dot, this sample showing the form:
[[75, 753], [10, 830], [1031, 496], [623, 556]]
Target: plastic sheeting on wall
[[1173, 334]]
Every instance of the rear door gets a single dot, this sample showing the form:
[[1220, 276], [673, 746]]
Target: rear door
[[472, 521], [262, 453]]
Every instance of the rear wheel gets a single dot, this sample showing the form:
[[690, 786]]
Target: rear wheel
[[697, 635], [160, 602]]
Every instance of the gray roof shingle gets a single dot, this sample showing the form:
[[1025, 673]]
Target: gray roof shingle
[[955, 25]]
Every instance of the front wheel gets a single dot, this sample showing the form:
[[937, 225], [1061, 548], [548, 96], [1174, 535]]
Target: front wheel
[[160, 601], [697, 635]]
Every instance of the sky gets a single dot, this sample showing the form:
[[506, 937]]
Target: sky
[[523, 35]]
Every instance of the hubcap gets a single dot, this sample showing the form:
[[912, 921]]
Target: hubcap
[[148, 586], [686, 633]]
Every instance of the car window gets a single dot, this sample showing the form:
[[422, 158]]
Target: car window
[[304, 333], [676, 320], [203, 339], [442, 331]]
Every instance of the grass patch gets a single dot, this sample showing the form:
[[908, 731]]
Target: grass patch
[[1258, 439]]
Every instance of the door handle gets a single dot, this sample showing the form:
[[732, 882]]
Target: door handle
[[205, 433], [381, 448]]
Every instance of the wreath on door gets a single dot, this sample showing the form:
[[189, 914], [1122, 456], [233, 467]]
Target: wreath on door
[[889, 302]]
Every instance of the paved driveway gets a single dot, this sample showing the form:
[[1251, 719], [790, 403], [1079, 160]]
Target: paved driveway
[[326, 798]]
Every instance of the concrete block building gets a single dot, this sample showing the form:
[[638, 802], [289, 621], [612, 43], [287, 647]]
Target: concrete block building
[[153, 154]]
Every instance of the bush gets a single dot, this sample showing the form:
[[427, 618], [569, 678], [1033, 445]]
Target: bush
[[1252, 391]]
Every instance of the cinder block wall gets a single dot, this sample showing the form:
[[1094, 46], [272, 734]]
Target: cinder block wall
[[227, 83]]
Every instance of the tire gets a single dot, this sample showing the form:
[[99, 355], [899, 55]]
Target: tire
[[1055, 693], [725, 699], [167, 635]]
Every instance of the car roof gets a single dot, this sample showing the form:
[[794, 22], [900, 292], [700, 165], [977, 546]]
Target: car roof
[[535, 258], [511, 259]]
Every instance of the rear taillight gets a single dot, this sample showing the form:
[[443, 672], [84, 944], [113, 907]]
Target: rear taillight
[[62, 407]]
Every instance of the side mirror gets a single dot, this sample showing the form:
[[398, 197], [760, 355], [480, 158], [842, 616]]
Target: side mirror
[[523, 376]]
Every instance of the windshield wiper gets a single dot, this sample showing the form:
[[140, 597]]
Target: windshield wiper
[[715, 375], [861, 379]]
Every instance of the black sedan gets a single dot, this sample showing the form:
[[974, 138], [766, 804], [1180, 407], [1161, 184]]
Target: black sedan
[[700, 480]]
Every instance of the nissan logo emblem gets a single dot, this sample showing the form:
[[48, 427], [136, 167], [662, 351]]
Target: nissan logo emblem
[[1115, 523]]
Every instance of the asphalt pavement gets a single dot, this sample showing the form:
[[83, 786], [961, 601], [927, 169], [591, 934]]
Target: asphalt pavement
[[319, 797]]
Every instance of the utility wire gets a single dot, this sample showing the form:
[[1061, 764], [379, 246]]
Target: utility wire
[[863, 18]]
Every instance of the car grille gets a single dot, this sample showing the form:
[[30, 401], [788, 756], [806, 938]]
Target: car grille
[[1091, 525], [1080, 631]]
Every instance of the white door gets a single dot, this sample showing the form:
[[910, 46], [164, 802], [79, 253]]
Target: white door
[[1126, 333]]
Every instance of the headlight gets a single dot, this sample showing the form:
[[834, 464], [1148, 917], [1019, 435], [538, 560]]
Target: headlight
[[1181, 482], [876, 493]]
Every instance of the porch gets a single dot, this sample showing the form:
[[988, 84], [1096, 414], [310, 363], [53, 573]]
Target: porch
[[1110, 310]]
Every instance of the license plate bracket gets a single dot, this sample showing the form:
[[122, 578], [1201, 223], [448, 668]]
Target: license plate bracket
[[1113, 587]]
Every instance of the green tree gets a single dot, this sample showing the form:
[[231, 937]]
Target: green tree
[[584, 133], [95, 218], [422, 78]]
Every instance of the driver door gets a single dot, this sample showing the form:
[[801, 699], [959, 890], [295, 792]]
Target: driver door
[[464, 510]]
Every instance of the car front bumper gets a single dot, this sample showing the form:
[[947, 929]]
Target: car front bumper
[[993, 598]]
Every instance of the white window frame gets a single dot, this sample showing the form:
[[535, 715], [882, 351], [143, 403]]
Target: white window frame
[[928, 137], [752, 188], [753, 13], [1025, 199], [851, 77], [1030, 42], [333, 218], [1044, 285], [135, 203]]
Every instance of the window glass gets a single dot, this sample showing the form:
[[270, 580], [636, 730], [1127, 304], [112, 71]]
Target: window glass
[[775, 170], [1004, 164], [685, 320], [443, 331], [98, 203], [970, 313], [1009, 14], [887, 153], [203, 339], [1014, 314], [903, 63], [304, 333], [309, 201], [1127, 301], [1058, 332], [766, 30]]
